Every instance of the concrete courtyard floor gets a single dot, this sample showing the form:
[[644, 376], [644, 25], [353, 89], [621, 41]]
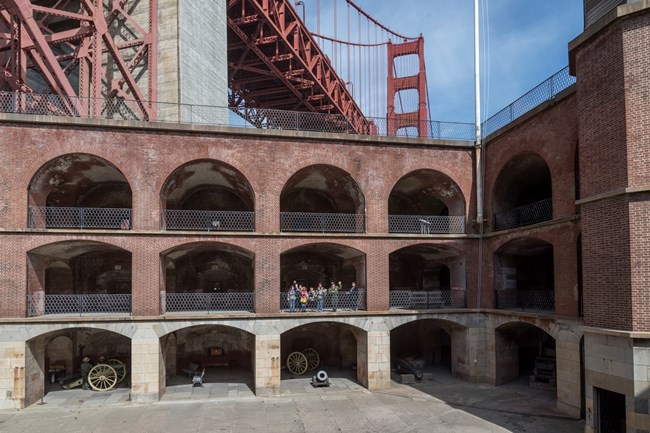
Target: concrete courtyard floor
[[443, 404]]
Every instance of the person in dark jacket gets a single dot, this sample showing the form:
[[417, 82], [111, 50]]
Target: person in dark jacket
[[85, 367]]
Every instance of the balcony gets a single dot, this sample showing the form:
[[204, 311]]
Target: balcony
[[202, 220], [427, 300], [322, 222], [340, 301], [40, 304], [208, 302], [526, 300], [79, 218], [425, 224], [524, 215]]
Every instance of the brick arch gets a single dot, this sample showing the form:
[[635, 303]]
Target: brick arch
[[446, 320], [293, 324], [549, 327], [428, 242], [36, 164], [205, 242], [67, 240], [503, 241], [391, 182], [170, 327], [294, 244], [243, 169]]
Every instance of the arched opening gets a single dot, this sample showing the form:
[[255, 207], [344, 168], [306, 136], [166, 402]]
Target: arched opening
[[207, 195], [524, 275], [425, 202], [54, 363], [422, 349], [78, 277], [523, 192], [79, 191], [222, 354], [208, 276], [328, 346], [323, 264], [426, 277], [525, 352], [322, 198]]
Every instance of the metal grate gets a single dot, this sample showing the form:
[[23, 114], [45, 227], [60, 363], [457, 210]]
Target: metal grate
[[79, 217], [524, 215], [343, 300], [545, 91], [209, 302], [531, 300], [423, 300], [425, 224], [208, 220], [39, 305], [322, 222]]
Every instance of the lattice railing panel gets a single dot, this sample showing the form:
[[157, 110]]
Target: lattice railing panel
[[79, 218], [208, 220], [79, 304], [425, 224], [425, 300], [322, 222], [524, 215], [531, 300], [210, 302], [343, 300]]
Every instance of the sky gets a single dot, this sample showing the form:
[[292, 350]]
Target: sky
[[523, 43]]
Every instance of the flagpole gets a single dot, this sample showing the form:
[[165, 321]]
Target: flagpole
[[477, 101]]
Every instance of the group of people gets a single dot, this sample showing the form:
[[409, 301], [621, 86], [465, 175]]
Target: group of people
[[300, 297]]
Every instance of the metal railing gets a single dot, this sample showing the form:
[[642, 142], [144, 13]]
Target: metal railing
[[209, 302], [531, 300], [173, 219], [322, 222], [545, 91], [524, 215], [39, 305], [79, 217], [263, 118], [424, 300], [343, 300], [425, 224]]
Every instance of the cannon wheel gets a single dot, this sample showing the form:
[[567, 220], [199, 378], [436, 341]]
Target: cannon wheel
[[102, 377], [313, 360], [297, 363], [119, 367]]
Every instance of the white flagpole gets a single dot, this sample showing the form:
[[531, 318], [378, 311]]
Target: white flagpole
[[477, 101]]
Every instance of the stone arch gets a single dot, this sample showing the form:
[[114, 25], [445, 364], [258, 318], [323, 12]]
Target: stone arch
[[523, 191]]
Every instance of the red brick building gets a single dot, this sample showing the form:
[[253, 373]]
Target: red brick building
[[174, 245]]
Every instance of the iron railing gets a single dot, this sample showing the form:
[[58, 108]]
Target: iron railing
[[209, 302], [425, 224], [79, 217], [424, 300], [343, 300], [531, 300], [39, 305], [545, 91], [322, 222], [123, 109], [173, 219], [524, 215]]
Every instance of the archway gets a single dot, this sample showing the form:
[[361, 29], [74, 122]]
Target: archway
[[79, 191], [325, 263], [427, 276], [208, 276], [322, 198], [522, 192], [426, 201], [224, 353], [78, 277], [207, 195], [524, 275], [526, 352]]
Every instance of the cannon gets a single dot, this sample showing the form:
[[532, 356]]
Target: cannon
[[102, 377], [406, 366], [299, 362]]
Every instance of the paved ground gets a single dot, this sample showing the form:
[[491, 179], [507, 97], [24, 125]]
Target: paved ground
[[443, 404]]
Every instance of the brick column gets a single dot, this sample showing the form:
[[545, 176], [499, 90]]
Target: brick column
[[376, 215], [377, 273], [565, 263], [267, 277], [147, 366], [267, 213], [373, 359], [145, 280], [267, 364]]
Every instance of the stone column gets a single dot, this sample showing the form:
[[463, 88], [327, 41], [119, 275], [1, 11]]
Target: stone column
[[12, 372], [267, 364], [148, 366], [373, 359], [567, 360]]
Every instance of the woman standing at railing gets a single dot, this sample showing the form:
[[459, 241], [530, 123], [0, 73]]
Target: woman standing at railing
[[291, 297]]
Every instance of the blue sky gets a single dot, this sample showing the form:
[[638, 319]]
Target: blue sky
[[527, 43]]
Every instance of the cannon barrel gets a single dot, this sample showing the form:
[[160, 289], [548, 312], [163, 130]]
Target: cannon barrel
[[405, 366]]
